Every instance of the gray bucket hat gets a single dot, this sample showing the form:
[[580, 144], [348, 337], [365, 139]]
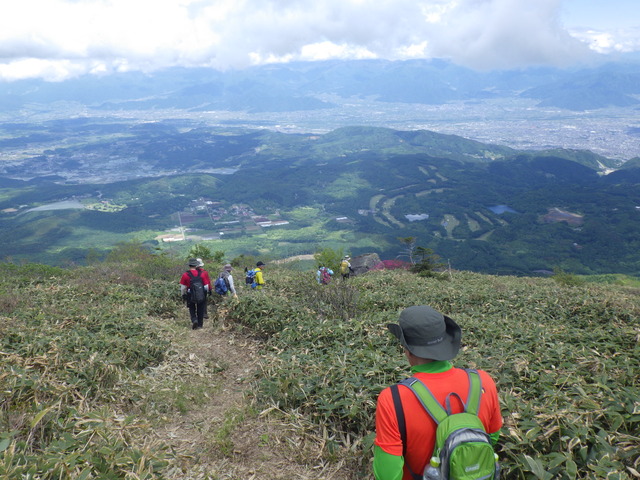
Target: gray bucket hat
[[427, 333], [193, 262]]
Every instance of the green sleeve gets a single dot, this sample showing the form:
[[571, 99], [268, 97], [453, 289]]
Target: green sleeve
[[386, 466]]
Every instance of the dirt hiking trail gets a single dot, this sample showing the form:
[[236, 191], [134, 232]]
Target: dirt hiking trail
[[227, 436]]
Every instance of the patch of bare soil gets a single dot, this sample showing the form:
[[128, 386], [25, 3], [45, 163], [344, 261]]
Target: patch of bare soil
[[227, 436], [294, 258]]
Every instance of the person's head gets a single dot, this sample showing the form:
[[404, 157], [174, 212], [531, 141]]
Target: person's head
[[193, 262], [200, 263], [227, 267], [260, 264], [427, 334]]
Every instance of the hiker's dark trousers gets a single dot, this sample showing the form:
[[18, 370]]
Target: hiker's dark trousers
[[196, 311]]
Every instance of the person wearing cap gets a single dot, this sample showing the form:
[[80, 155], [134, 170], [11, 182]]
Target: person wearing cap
[[207, 281], [196, 310], [430, 340], [345, 267], [259, 278], [228, 279]]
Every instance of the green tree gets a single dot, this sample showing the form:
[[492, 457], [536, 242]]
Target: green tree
[[409, 250], [200, 251], [567, 279], [428, 263], [329, 257]]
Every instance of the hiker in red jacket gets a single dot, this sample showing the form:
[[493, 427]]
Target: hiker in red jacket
[[194, 288]]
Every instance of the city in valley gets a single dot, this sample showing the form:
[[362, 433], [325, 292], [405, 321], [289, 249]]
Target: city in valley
[[517, 123]]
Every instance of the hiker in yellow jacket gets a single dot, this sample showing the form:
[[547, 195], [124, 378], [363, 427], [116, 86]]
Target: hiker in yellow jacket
[[259, 278], [345, 267]]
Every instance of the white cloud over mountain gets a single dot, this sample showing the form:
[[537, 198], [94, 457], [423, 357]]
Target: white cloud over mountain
[[623, 40], [57, 39]]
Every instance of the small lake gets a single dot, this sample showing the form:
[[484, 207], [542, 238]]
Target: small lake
[[500, 209], [418, 217]]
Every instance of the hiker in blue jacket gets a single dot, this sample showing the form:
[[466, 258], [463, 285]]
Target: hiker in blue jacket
[[323, 275], [228, 279]]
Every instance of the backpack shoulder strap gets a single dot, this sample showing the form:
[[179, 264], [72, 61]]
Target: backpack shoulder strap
[[426, 398], [191, 275], [402, 426], [475, 392]]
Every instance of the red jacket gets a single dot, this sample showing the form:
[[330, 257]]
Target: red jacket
[[186, 279]]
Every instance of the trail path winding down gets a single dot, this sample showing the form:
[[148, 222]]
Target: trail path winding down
[[226, 436]]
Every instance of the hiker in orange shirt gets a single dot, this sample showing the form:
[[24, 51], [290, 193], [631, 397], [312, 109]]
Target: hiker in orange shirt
[[429, 340]]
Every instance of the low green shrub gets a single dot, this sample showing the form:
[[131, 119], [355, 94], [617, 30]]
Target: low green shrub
[[566, 360], [67, 343]]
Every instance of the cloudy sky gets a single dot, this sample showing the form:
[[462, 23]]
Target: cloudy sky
[[58, 39]]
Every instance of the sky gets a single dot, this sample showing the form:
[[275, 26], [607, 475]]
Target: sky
[[59, 39]]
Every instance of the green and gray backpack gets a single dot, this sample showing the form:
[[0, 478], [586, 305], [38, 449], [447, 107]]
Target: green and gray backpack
[[463, 449]]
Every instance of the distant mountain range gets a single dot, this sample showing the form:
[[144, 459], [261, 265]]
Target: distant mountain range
[[310, 86]]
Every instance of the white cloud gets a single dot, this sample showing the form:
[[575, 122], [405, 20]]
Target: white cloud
[[505, 34], [55, 39], [328, 50], [615, 41]]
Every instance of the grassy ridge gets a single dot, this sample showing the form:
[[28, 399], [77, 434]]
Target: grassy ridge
[[73, 351]]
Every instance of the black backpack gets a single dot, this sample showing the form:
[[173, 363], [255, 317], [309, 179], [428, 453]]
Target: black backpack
[[196, 288]]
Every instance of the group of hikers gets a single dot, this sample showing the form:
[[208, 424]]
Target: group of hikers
[[441, 423], [196, 286], [325, 274]]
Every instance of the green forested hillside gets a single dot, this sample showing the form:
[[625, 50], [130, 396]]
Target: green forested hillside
[[480, 207], [96, 362]]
